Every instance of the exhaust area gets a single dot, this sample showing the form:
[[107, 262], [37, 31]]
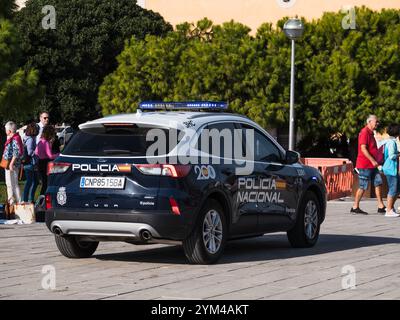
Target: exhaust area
[[57, 231], [145, 235]]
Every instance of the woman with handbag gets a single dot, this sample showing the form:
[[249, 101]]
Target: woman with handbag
[[45, 155], [30, 163], [11, 162]]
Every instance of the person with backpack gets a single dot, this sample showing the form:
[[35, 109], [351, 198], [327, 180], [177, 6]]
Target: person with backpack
[[391, 169], [30, 163], [369, 159]]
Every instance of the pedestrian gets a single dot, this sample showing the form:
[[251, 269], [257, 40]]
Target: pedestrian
[[44, 153], [30, 162], [391, 169], [11, 162], [44, 119], [367, 165]]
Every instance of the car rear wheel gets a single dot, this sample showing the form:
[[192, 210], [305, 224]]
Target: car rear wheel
[[71, 247], [206, 243], [305, 233]]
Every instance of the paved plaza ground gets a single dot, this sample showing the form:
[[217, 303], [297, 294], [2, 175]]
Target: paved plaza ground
[[260, 268]]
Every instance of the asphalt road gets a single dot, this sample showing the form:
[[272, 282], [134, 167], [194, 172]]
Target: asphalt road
[[357, 257]]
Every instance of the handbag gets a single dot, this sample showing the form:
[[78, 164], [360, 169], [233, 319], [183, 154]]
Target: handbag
[[9, 211], [5, 164], [25, 212]]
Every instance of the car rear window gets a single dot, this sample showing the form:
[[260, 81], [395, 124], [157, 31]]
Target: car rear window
[[114, 141]]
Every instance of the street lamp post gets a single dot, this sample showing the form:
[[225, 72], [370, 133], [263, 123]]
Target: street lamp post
[[293, 29]]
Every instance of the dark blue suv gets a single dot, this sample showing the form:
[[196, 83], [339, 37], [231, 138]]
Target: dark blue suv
[[128, 178]]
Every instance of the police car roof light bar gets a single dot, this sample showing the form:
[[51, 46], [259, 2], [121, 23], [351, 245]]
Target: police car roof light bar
[[191, 105]]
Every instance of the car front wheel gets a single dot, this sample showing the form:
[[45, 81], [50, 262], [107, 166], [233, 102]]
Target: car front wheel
[[305, 233]]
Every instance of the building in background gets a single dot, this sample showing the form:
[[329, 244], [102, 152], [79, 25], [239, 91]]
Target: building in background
[[251, 12], [21, 3], [254, 12]]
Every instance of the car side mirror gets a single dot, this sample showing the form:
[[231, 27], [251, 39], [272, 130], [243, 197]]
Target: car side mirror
[[292, 157]]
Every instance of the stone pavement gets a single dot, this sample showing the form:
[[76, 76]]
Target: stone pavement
[[261, 268]]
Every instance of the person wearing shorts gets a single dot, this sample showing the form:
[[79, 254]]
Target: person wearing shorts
[[367, 166], [390, 169]]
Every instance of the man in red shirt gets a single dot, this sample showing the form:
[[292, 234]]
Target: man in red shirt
[[367, 165]]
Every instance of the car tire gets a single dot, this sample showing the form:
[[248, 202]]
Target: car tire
[[305, 232], [203, 246], [71, 247]]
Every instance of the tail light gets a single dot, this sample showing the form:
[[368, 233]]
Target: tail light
[[57, 167], [48, 202], [170, 170], [174, 206]]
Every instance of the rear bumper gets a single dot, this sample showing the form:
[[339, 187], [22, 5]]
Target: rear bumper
[[122, 224], [103, 229]]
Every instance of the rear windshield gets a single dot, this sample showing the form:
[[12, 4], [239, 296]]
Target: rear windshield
[[116, 141]]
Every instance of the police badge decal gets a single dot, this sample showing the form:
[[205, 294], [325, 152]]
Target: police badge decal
[[61, 196]]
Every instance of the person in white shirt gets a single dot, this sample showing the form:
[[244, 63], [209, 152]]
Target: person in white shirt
[[44, 121]]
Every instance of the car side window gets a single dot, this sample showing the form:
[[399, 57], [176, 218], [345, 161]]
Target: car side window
[[220, 139], [263, 149]]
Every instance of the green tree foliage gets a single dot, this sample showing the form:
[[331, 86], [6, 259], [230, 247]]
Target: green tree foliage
[[73, 58], [361, 74], [342, 75], [19, 90], [7, 8]]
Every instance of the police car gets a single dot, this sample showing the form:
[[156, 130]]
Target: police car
[[147, 178]]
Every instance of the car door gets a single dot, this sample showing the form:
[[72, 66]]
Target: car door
[[274, 188], [244, 215]]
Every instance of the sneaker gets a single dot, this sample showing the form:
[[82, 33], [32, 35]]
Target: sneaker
[[392, 214], [382, 210], [357, 211]]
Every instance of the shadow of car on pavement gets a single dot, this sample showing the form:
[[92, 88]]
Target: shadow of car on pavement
[[265, 248]]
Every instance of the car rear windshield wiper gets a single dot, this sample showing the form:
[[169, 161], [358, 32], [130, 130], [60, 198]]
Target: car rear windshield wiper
[[119, 151]]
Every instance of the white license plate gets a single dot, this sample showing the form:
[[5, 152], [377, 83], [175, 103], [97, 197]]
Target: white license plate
[[102, 183]]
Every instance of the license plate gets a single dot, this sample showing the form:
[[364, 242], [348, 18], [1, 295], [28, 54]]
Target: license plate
[[102, 183]]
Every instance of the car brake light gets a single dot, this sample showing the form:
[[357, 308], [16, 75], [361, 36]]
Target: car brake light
[[57, 167], [174, 206], [48, 202], [170, 170]]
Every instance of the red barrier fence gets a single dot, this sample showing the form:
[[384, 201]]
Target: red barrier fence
[[337, 174]]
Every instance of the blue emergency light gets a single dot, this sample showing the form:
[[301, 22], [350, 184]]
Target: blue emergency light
[[191, 105]]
